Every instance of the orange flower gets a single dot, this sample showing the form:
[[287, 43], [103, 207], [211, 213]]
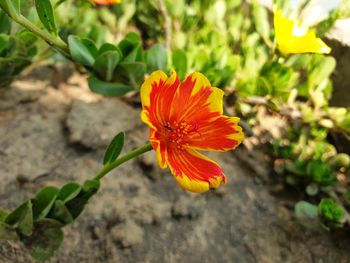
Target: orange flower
[[106, 2], [186, 117]]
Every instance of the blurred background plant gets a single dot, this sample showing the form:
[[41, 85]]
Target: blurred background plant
[[232, 43]]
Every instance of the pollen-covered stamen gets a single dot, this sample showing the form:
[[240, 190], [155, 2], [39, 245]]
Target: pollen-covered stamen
[[175, 134]]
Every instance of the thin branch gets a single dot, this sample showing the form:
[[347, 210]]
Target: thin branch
[[167, 23]]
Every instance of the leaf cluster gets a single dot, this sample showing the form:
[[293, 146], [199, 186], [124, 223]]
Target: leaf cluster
[[16, 50], [38, 222]]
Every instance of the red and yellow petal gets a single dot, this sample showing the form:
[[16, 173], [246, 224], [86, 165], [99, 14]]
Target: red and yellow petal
[[106, 2], [218, 134], [193, 171], [156, 79], [215, 99], [160, 148], [157, 94]]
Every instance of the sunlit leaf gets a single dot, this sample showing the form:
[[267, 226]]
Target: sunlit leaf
[[45, 13], [179, 60], [68, 192], [83, 51]]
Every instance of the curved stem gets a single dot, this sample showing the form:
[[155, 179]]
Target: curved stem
[[110, 166], [51, 40]]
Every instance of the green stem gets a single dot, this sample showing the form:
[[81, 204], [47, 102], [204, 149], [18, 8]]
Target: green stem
[[110, 166], [51, 40]]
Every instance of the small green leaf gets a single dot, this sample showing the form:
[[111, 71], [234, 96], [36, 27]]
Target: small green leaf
[[339, 160], [157, 58], [129, 43], [22, 218], [322, 69], [180, 63], [106, 63], [61, 213], [83, 51], [76, 205], [114, 149], [135, 72], [260, 17], [106, 88], [68, 192], [3, 215], [7, 232], [45, 240], [5, 23], [307, 214], [43, 201], [331, 213], [135, 55], [108, 47], [45, 13], [321, 172]]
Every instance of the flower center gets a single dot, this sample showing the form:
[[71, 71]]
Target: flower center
[[177, 134]]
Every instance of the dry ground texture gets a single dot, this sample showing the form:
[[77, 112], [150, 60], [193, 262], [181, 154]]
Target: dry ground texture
[[54, 130]]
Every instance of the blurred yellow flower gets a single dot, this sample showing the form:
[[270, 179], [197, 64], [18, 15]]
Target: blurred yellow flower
[[292, 37], [106, 2]]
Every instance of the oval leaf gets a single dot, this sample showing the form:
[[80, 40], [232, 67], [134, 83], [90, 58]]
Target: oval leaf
[[157, 58], [68, 192], [3, 215], [106, 88], [45, 13], [106, 63], [135, 72], [307, 214], [82, 51], [43, 201], [61, 213], [7, 232], [76, 205], [114, 149], [108, 47], [180, 63], [22, 218]]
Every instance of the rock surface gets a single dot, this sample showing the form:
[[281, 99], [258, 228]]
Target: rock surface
[[140, 215]]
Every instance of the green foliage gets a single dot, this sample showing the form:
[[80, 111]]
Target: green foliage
[[307, 214], [16, 52], [38, 222], [157, 58], [106, 88], [83, 51], [45, 13], [114, 149], [331, 214], [179, 61]]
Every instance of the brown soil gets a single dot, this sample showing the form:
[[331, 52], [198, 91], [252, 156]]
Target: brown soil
[[52, 133]]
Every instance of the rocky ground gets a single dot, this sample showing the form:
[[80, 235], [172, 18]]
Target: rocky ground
[[53, 132]]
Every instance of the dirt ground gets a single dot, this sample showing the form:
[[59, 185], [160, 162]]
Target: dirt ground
[[53, 132]]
